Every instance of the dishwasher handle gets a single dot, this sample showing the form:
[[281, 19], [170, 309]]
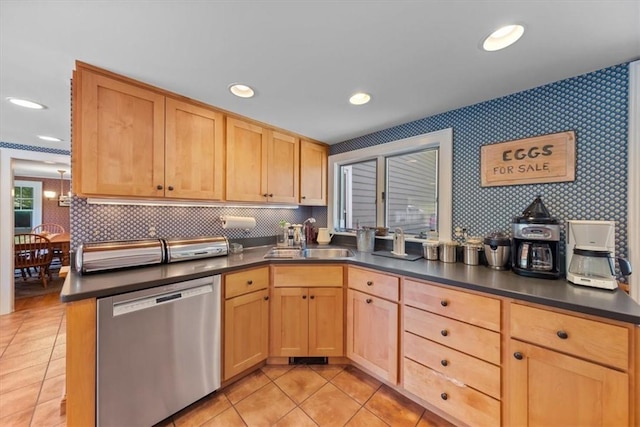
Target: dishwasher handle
[[169, 298], [131, 306]]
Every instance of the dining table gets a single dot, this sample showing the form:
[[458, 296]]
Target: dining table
[[61, 242]]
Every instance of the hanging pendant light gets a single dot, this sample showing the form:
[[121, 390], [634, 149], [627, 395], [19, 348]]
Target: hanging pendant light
[[65, 198]]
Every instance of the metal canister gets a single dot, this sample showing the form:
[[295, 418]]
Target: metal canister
[[430, 250], [472, 254], [448, 251]]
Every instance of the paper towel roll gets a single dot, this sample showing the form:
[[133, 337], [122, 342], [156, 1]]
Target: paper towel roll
[[244, 222]]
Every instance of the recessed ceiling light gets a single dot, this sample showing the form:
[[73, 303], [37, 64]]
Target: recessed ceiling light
[[503, 37], [26, 103], [243, 91], [360, 98], [49, 138]]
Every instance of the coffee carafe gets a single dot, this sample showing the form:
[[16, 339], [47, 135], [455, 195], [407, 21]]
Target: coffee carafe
[[535, 245]]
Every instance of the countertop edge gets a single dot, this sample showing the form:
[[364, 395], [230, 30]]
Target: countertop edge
[[188, 270]]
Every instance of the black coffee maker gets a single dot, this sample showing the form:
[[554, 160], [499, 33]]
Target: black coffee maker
[[535, 248]]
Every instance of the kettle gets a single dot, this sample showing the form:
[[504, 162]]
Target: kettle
[[324, 236], [595, 268]]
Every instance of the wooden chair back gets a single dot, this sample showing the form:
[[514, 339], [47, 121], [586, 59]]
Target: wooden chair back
[[33, 250], [48, 228]]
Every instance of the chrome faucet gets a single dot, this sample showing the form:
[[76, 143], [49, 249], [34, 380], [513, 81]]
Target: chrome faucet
[[398, 242], [305, 231]]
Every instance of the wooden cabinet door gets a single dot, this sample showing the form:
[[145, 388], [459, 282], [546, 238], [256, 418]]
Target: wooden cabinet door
[[246, 178], [246, 332], [372, 334], [547, 388], [283, 168], [289, 322], [326, 322], [120, 145], [194, 139], [313, 173]]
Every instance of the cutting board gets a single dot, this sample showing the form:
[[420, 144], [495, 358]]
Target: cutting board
[[408, 257]]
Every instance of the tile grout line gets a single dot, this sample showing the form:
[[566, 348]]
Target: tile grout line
[[46, 371], [297, 404]]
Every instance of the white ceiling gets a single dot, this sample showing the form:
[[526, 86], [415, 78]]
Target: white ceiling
[[37, 169], [304, 58]]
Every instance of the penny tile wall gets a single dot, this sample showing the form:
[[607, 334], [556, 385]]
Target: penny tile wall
[[594, 105]]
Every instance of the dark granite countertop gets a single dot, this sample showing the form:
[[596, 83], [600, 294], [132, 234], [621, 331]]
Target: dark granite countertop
[[615, 305]]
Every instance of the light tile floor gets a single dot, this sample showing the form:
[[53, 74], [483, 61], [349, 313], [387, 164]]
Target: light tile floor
[[32, 374]]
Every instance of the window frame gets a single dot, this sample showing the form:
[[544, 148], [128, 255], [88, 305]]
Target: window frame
[[36, 217], [442, 139]]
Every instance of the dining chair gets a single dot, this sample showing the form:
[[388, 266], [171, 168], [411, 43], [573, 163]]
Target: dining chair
[[48, 228], [33, 251]]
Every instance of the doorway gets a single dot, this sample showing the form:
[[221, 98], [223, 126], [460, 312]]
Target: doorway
[[7, 223]]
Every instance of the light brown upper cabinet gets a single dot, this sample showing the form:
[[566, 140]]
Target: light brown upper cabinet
[[132, 141], [313, 173], [262, 164], [194, 159], [118, 144]]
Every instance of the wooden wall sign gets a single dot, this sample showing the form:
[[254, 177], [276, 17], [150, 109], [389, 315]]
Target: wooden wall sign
[[547, 158]]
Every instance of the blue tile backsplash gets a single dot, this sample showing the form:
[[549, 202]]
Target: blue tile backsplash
[[594, 105]]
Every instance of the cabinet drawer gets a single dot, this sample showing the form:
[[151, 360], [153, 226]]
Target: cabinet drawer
[[588, 339], [461, 336], [464, 403], [243, 282], [474, 372], [307, 276], [475, 309], [378, 284]]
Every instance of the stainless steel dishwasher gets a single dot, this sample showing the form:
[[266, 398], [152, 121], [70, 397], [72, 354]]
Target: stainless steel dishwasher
[[158, 351]]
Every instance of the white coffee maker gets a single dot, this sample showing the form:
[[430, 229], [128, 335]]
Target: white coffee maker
[[590, 250]]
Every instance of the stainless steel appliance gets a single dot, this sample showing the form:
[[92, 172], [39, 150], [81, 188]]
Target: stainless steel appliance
[[536, 243], [158, 351], [200, 247], [101, 256], [497, 247]]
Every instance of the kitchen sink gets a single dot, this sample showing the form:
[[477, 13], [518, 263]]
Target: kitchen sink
[[310, 253], [322, 253], [284, 253]]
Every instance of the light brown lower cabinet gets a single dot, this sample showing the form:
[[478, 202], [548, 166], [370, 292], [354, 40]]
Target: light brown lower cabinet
[[547, 388], [372, 334], [246, 319], [246, 331], [307, 322], [453, 397]]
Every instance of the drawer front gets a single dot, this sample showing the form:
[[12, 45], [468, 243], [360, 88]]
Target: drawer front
[[475, 309], [476, 373], [243, 282], [464, 403], [478, 342], [378, 284], [302, 276], [588, 339]]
